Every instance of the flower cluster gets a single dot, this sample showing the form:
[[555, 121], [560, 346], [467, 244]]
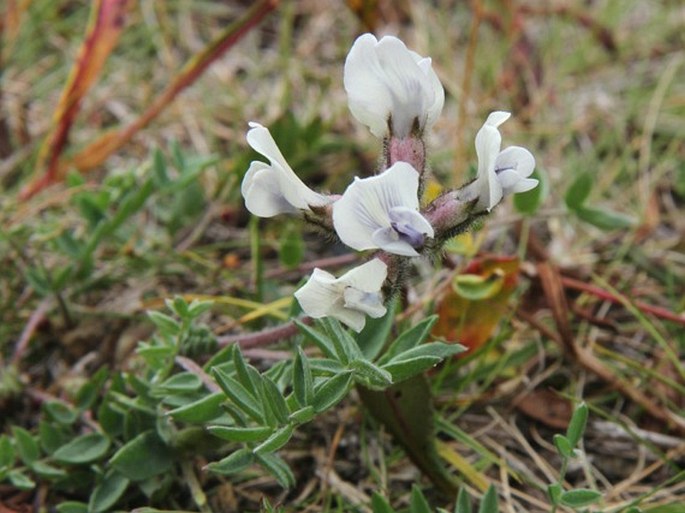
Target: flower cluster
[[397, 95]]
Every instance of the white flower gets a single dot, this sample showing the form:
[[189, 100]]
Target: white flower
[[271, 189], [350, 298], [500, 172], [382, 212], [388, 84]]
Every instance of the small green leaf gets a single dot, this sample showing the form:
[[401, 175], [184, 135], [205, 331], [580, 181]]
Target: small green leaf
[[488, 503], [107, 493], [605, 219], [277, 440], [563, 445], [409, 339], [273, 399], [463, 504], [475, 287], [554, 492], [166, 324], [324, 343], [234, 463], [379, 504], [579, 498], [46, 471], [373, 376], [579, 191], [241, 434], [6, 452], [182, 382], [303, 384], [27, 447], [72, 507], [237, 393], [576, 427], [331, 392], [60, 412], [143, 457], [20, 480], [302, 415], [197, 307], [529, 202], [200, 411], [346, 345], [278, 468], [251, 381], [417, 502], [88, 393], [83, 449], [372, 338]]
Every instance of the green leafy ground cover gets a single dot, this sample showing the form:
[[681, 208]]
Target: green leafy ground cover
[[106, 406]]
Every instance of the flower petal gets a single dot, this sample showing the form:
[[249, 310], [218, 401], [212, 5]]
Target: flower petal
[[320, 294], [488, 141], [365, 206], [388, 240], [497, 117], [368, 277], [281, 186], [517, 158], [387, 82]]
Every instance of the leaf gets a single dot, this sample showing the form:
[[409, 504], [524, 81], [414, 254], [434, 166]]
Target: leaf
[[576, 426], [273, 399], [417, 502], [529, 202], [143, 457], [107, 493], [47, 471], [239, 395], [372, 338], [322, 341], [278, 468], [554, 492], [200, 411], [406, 410], [6, 452], [26, 445], [277, 440], [331, 392], [234, 463], [183, 382], [241, 434], [463, 504], [88, 393], [409, 339], [302, 415], [605, 219], [580, 498], [20, 480], [303, 382], [579, 191], [373, 376], [488, 503], [166, 324], [475, 287], [472, 322], [379, 504], [564, 447], [72, 507], [83, 449]]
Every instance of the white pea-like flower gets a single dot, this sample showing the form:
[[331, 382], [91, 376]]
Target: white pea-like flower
[[500, 172], [390, 87], [350, 298], [383, 212], [274, 188]]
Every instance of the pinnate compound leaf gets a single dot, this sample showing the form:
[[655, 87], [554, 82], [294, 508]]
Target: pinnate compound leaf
[[579, 498], [143, 457], [107, 493]]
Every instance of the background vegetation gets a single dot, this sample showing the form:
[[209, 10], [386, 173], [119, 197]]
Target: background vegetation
[[120, 175]]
